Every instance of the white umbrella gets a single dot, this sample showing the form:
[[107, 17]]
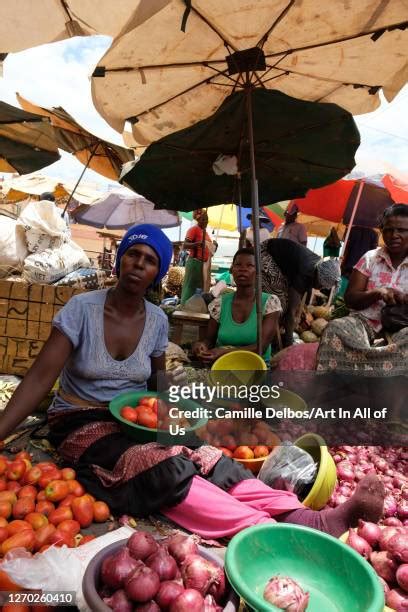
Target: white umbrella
[[120, 211]]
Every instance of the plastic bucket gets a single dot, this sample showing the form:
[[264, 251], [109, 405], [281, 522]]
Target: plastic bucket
[[326, 477]]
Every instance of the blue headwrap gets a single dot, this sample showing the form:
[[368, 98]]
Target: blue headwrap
[[154, 238]]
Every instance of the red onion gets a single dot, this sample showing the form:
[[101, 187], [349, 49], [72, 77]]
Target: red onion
[[384, 565], [163, 564], [381, 464], [167, 593], [217, 589], [397, 599], [179, 546], [402, 509], [189, 601], [143, 584], [386, 536], [359, 544], [117, 568], [345, 471], [198, 573], [286, 594], [369, 532], [405, 522], [210, 604], [404, 492], [119, 602], [150, 606], [141, 545], [398, 546], [390, 505], [402, 576], [392, 521]]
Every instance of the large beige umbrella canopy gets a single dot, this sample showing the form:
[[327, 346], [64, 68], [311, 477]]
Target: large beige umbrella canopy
[[169, 71], [94, 152], [28, 23]]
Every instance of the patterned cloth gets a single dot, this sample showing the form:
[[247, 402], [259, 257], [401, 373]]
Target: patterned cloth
[[346, 346], [84, 278], [377, 267], [273, 281], [272, 305]]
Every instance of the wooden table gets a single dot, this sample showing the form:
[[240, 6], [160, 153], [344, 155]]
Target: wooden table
[[179, 318]]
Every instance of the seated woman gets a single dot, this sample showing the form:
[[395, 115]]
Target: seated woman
[[233, 324], [110, 341], [379, 278]]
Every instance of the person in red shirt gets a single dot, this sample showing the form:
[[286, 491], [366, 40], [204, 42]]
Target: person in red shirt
[[199, 246]]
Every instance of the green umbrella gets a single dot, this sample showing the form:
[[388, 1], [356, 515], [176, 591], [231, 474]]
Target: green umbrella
[[278, 147], [298, 145]]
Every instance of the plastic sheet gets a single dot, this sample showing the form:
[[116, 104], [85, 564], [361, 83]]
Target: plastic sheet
[[289, 468]]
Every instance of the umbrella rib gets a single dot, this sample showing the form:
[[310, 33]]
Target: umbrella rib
[[401, 25], [277, 21], [318, 78], [213, 28]]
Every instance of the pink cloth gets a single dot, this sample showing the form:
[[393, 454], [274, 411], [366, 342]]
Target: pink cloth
[[298, 357], [213, 513]]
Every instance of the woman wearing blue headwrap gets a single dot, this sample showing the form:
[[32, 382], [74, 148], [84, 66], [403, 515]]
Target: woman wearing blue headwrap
[[104, 343]]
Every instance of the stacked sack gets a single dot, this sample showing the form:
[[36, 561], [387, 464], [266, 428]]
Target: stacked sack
[[53, 253]]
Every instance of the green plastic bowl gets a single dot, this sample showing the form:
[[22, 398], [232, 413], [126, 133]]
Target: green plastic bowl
[[337, 578], [145, 434]]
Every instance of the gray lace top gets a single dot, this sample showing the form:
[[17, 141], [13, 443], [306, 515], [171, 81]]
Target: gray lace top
[[91, 373]]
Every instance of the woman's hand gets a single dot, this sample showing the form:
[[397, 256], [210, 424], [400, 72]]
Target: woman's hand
[[177, 376], [391, 296], [211, 355], [199, 348]]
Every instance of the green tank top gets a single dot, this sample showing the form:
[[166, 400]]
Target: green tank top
[[231, 333]]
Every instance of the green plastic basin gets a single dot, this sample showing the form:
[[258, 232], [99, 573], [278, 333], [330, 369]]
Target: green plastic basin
[[145, 434], [337, 578]]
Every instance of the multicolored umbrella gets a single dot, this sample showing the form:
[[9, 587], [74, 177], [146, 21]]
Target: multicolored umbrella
[[226, 216]]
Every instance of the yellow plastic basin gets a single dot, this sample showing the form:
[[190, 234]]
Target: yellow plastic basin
[[238, 366], [326, 477]]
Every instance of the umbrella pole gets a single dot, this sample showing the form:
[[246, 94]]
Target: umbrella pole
[[79, 180], [255, 224], [241, 231], [353, 214]]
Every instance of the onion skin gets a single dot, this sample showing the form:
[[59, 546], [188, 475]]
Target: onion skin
[[397, 599], [167, 593], [402, 576], [189, 601], [384, 565], [392, 521], [402, 509], [119, 602], [163, 564], [180, 546], [398, 546], [198, 574], [286, 594], [150, 606], [359, 544], [141, 545], [143, 585], [369, 532], [386, 536], [117, 568]]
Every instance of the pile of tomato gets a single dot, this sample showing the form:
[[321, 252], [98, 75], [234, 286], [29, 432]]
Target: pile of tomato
[[42, 505], [145, 413]]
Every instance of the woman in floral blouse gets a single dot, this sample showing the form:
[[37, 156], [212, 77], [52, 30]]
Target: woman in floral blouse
[[379, 278]]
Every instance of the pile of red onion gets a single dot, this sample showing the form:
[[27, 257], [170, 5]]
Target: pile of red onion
[[148, 576], [386, 549], [391, 466]]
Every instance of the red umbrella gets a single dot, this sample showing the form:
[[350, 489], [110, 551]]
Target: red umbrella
[[397, 186]]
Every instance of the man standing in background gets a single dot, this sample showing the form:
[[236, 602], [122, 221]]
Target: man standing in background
[[292, 229]]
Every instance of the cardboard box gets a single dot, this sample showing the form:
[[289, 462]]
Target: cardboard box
[[26, 313]]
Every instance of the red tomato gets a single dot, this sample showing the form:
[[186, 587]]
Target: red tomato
[[36, 520], [3, 465], [47, 476], [5, 509], [147, 418], [3, 534], [17, 526], [129, 414], [75, 488], [6, 584], [45, 507], [23, 455], [226, 451], [16, 469], [56, 490], [148, 401], [3, 523], [63, 513], [101, 512], [86, 539], [13, 485], [32, 476], [42, 535], [68, 474], [67, 500], [24, 539], [62, 538], [27, 491], [82, 509], [3, 484], [23, 506], [15, 607], [70, 526]]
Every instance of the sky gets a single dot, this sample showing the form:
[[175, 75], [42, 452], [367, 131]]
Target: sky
[[58, 75]]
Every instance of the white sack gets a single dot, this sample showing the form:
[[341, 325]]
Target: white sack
[[43, 225], [52, 264], [13, 248]]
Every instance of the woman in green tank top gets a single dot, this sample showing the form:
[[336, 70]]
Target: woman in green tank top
[[232, 325]]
